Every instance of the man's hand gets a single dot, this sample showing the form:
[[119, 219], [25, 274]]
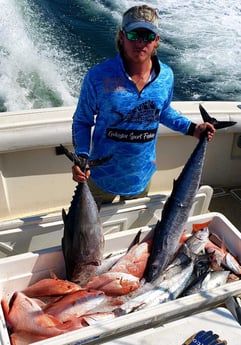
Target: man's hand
[[202, 128], [79, 175]]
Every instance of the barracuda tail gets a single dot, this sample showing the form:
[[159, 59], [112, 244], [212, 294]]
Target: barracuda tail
[[175, 213], [217, 124]]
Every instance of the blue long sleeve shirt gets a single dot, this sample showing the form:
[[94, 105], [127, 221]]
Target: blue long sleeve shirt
[[125, 123]]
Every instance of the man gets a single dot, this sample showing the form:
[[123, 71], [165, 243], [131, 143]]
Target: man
[[125, 98]]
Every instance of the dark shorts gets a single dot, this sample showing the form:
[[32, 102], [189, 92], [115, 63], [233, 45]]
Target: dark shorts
[[103, 197]]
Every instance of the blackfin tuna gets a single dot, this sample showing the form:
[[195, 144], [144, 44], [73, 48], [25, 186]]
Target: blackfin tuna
[[83, 240]]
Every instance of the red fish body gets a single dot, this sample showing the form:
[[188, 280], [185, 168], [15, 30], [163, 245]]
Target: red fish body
[[124, 277], [25, 338], [51, 287], [114, 283], [25, 314], [134, 262]]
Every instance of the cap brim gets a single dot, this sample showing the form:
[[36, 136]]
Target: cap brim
[[141, 25]]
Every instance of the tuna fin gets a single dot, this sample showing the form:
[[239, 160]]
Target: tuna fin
[[98, 204], [135, 240], [64, 215], [217, 124]]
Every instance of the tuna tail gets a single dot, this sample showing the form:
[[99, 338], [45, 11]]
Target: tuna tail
[[217, 124], [83, 162]]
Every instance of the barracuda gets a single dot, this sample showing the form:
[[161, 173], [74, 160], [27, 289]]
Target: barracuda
[[175, 213]]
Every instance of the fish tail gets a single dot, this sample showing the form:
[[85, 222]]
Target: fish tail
[[217, 124]]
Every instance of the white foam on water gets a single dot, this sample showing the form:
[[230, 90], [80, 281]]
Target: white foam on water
[[199, 39], [26, 68], [206, 36], [202, 37]]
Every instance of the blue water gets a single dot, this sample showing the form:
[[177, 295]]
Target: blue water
[[46, 47]]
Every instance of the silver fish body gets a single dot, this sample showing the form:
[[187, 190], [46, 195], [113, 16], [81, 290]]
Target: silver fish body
[[197, 241], [83, 240], [169, 289], [207, 281]]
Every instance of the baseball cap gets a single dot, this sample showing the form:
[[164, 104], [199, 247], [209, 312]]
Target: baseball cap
[[140, 17]]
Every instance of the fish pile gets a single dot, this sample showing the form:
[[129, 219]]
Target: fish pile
[[53, 306]]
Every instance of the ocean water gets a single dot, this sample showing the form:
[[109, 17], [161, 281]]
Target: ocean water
[[46, 47]]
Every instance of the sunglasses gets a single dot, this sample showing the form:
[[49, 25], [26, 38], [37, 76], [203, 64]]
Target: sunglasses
[[146, 36]]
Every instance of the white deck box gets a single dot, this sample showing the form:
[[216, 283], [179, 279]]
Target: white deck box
[[19, 271], [45, 231], [218, 320]]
